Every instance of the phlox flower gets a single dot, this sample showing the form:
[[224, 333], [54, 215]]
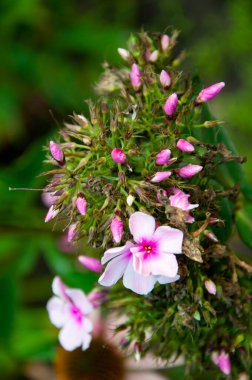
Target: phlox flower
[[179, 199], [147, 260], [68, 310]]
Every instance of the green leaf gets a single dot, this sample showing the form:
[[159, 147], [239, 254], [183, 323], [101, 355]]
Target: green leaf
[[8, 305], [244, 224]]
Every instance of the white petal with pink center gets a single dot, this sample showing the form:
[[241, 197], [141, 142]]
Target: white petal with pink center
[[151, 259], [68, 310]]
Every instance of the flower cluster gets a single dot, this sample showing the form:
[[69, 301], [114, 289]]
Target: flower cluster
[[122, 182]]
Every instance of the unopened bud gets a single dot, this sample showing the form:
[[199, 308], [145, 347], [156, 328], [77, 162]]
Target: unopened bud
[[165, 42], [211, 236], [189, 170], [56, 152], [130, 200], [97, 297], [210, 92], [118, 155], [135, 76], [160, 176], [210, 287], [137, 351], [52, 212], [171, 104], [71, 233], [81, 204], [90, 263], [116, 228], [124, 54], [185, 146], [151, 56], [163, 157], [165, 79]]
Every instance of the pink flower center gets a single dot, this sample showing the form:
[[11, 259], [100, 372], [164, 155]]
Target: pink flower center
[[148, 247], [76, 314]]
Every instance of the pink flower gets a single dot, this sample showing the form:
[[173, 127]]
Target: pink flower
[[116, 228], [171, 104], [165, 42], [71, 233], [124, 54], [51, 213], [49, 198], [222, 360], [118, 156], [150, 259], [81, 204], [135, 76], [56, 152], [185, 146], [180, 200], [160, 176], [91, 263], [210, 287], [163, 157], [68, 310], [210, 92], [189, 170], [165, 79]]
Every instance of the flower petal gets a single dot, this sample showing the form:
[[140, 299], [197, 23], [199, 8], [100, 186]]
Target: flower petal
[[113, 271], [79, 299], [136, 282], [141, 226], [167, 280], [86, 339], [163, 264], [56, 310], [59, 289], [70, 336], [169, 239], [113, 252]]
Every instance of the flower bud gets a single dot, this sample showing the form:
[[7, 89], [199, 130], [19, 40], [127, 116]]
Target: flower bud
[[171, 104], [165, 42], [124, 53], [130, 200], [71, 233], [210, 287], [90, 263], [137, 351], [211, 236], [152, 56], [56, 152], [210, 92], [52, 212], [185, 146], [116, 228], [163, 157], [224, 362], [165, 79], [118, 155], [97, 297], [81, 204], [189, 170], [160, 176], [135, 76]]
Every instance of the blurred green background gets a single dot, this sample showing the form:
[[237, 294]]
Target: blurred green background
[[50, 57]]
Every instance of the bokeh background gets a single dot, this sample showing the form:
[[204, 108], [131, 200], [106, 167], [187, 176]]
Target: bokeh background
[[51, 55]]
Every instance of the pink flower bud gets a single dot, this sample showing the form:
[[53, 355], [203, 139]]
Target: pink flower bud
[[224, 363], [118, 155], [56, 152], [160, 176], [135, 76], [90, 263], [116, 228], [52, 212], [165, 79], [81, 204], [97, 297], [71, 233], [152, 56], [210, 92], [171, 104], [185, 146], [210, 287], [163, 157], [165, 42], [130, 199], [124, 54], [211, 236], [189, 170]]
